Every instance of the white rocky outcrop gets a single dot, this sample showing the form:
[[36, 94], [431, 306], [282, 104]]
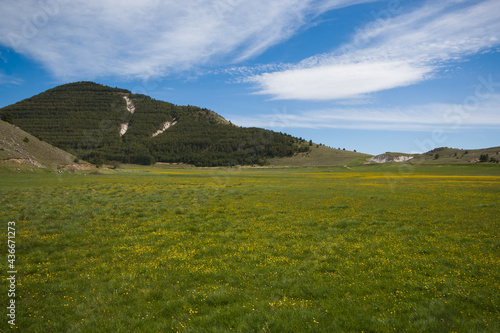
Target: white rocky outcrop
[[123, 128], [388, 158], [166, 125], [130, 104], [131, 109]]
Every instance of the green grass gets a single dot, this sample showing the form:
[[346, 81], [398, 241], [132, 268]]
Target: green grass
[[374, 248]]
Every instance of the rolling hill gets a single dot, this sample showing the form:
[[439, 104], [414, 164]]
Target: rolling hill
[[99, 123], [446, 155], [320, 155], [443, 155], [20, 148]]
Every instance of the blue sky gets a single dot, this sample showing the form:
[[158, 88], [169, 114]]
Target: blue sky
[[374, 76]]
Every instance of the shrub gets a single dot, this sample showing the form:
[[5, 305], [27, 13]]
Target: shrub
[[483, 158], [7, 117], [115, 164]]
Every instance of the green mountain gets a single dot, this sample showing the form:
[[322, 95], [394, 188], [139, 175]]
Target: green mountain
[[20, 148], [99, 123]]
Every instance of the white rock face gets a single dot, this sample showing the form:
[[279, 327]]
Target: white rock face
[[402, 158], [123, 129], [131, 109], [387, 159], [130, 104], [165, 126]]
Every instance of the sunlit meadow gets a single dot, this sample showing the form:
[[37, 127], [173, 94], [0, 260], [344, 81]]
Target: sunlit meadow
[[367, 249]]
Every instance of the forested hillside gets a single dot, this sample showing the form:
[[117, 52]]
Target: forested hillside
[[99, 123]]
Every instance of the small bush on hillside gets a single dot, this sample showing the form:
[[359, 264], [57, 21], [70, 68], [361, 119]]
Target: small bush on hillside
[[7, 117]]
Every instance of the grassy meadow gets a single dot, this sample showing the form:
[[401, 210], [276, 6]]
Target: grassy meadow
[[374, 248]]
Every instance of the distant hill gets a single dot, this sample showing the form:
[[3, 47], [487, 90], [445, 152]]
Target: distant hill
[[20, 148], [443, 155], [320, 155], [99, 123]]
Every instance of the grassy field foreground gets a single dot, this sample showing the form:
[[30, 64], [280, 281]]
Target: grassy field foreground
[[375, 249]]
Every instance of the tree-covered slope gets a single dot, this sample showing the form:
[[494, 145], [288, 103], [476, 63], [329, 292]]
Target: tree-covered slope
[[72, 116], [100, 123]]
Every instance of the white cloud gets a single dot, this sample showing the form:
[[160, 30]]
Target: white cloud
[[438, 116], [145, 38], [339, 81], [393, 50]]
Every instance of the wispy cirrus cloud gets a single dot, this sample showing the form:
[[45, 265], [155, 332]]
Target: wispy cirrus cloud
[[75, 39], [394, 51], [429, 117], [9, 79]]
